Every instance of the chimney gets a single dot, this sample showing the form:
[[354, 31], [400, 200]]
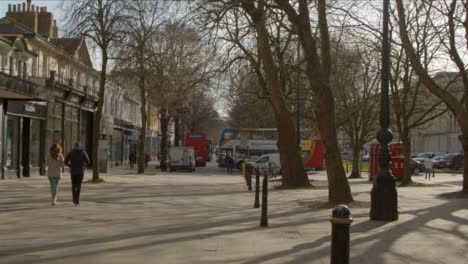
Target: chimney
[[14, 8], [19, 7], [24, 7], [29, 6], [37, 9], [9, 7], [33, 8]]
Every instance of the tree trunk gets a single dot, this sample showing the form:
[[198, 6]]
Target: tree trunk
[[98, 117], [464, 141], [338, 186], [143, 111], [292, 166], [356, 172], [176, 131], [164, 125], [406, 159]]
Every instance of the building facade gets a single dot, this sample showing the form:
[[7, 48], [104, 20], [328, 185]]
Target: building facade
[[441, 134], [47, 90]]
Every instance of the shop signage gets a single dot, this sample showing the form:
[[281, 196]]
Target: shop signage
[[27, 109]]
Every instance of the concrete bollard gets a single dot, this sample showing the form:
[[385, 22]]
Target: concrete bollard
[[341, 220], [264, 216], [257, 188]]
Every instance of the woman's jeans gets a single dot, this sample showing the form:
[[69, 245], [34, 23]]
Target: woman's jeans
[[54, 181]]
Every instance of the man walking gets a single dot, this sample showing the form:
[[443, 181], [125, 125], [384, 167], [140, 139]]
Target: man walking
[[428, 167], [77, 160]]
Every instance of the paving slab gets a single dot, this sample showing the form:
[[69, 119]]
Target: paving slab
[[208, 217]]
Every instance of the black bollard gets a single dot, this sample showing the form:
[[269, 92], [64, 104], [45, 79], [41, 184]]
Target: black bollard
[[257, 188], [264, 217], [341, 220]]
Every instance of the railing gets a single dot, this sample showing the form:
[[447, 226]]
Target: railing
[[21, 86]]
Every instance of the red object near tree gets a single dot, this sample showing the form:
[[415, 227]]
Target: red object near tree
[[315, 159], [373, 161], [198, 142]]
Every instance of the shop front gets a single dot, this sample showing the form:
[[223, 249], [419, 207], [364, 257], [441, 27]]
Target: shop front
[[124, 140], [23, 137]]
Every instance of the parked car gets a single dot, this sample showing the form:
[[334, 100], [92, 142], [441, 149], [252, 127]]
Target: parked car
[[453, 161], [424, 155], [365, 157], [436, 162], [181, 158], [416, 167], [271, 160]]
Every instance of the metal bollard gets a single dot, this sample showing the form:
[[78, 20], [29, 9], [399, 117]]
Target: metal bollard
[[257, 188], [341, 220], [264, 217]]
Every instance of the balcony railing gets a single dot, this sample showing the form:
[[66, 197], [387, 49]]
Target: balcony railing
[[23, 87]]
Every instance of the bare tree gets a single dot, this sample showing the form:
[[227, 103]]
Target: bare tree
[[448, 19], [135, 55], [100, 21], [317, 55], [183, 63], [355, 81], [243, 27]]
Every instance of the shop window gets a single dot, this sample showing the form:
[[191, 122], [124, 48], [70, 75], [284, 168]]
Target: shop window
[[35, 144], [11, 144]]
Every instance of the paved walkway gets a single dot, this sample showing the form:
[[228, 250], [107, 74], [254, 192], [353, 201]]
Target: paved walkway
[[207, 217]]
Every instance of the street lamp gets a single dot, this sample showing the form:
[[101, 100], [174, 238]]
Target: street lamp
[[384, 203]]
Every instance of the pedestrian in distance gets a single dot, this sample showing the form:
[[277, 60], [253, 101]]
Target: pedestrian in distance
[[147, 159], [132, 159], [428, 168], [54, 163], [77, 160], [229, 162]]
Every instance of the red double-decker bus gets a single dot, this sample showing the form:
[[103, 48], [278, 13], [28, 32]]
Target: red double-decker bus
[[198, 142]]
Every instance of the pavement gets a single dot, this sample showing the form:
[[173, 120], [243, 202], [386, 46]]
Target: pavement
[[208, 217]]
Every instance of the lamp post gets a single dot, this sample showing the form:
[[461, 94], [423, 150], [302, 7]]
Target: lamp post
[[384, 203]]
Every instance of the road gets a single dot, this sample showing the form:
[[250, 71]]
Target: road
[[207, 217]]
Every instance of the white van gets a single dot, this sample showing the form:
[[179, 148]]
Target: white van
[[271, 160], [182, 158]]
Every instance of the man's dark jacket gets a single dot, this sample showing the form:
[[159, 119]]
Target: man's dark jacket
[[77, 160]]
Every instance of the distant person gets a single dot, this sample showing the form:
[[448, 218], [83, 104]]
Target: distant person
[[229, 162], [77, 160], [147, 159], [428, 168], [54, 171], [132, 159]]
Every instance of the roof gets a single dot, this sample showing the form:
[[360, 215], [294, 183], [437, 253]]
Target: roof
[[12, 28], [69, 45]]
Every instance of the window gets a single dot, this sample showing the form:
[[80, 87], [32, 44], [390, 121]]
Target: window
[[263, 160], [11, 144], [35, 145], [44, 66]]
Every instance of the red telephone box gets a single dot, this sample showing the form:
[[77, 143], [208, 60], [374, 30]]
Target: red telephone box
[[397, 166]]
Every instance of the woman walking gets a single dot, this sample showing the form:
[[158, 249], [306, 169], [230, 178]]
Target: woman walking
[[54, 172]]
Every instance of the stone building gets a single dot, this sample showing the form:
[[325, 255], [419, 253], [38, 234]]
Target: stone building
[[441, 134], [47, 90]]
